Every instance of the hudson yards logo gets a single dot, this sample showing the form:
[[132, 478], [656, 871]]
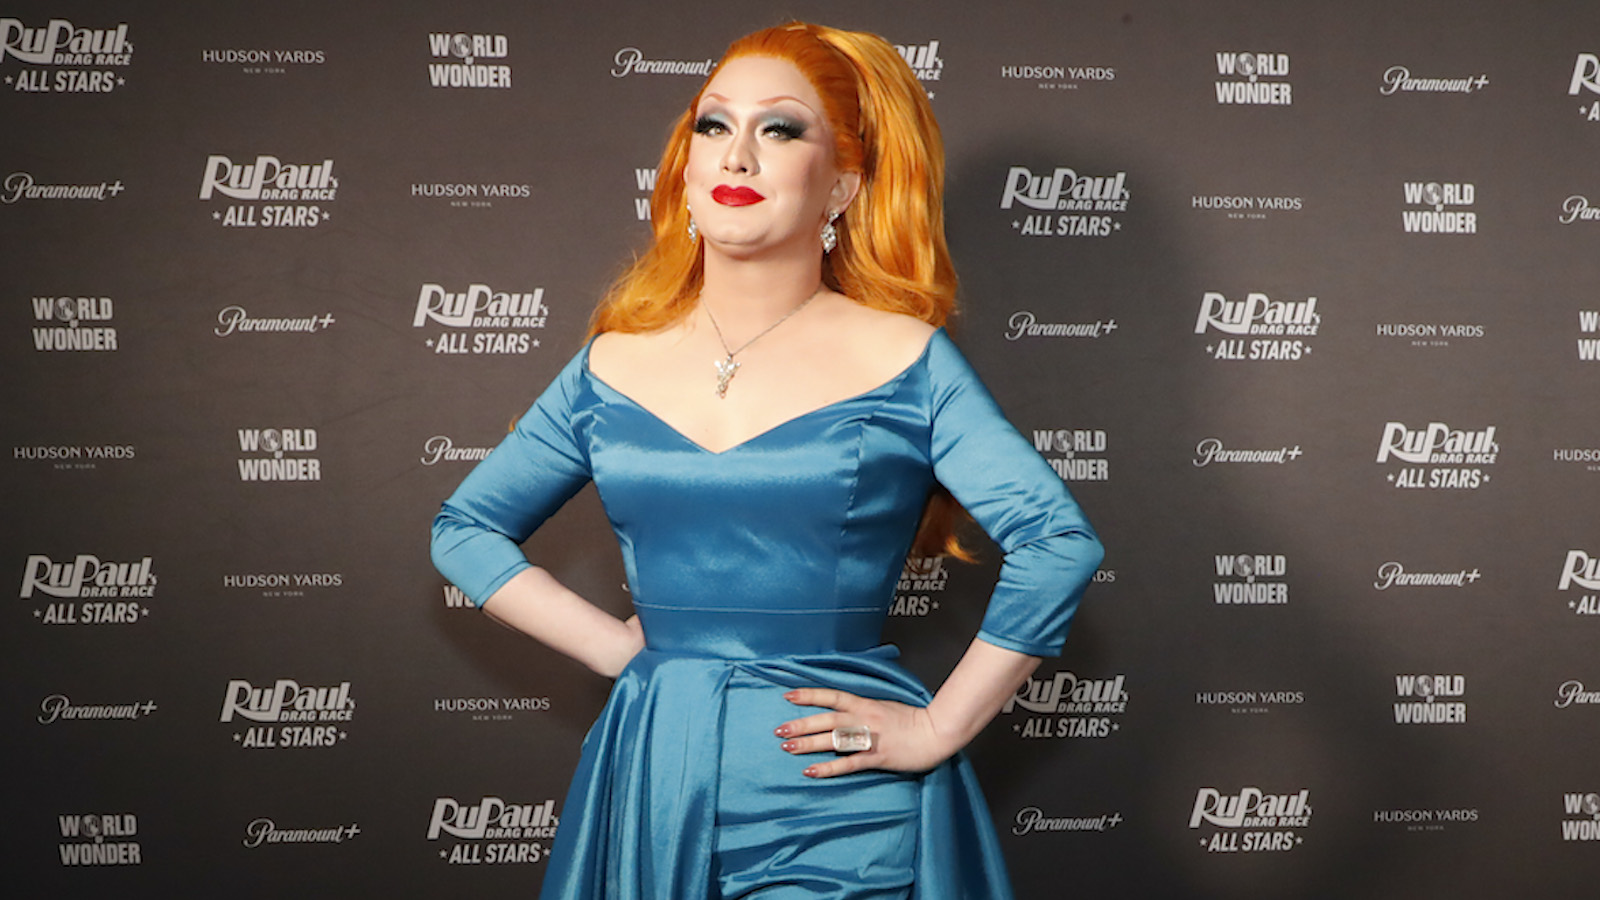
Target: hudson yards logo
[[1399, 80], [73, 323], [467, 68], [1424, 819], [99, 839], [263, 62], [921, 578], [1211, 450], [1253, 78], [1586, 78], [632, 61], [1240, 206], [1439, 208], [1056, 77], [1032, 820], [1430, 699], [1583, 817], [58, 708], [89, 590], [288, 714], [1247, 579], [1075, 454], [235, 320], [1430, 334], [1249, 702], [1024, 324], [1438, 457], [1393, 574], [1066, 706], [74, 456], [493, 831], [68, 50], [440, 448], [491, 709], [296, 190], [283, 584], [22, 186], [264, 831], [481, 319], [1068, 204], [1258, 314], [1251, 820], [477, 195], [266, 460], [1581, 571]]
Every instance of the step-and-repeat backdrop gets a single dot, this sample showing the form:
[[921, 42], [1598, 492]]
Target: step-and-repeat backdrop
[[1301, 300]]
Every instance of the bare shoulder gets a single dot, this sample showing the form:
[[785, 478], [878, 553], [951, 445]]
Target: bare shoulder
[[893, 340], [616, 354]]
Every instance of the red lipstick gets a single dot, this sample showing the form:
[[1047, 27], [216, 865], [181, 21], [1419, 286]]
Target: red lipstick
[[735, 196]]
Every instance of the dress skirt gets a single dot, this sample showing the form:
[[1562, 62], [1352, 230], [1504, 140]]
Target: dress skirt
[[682, 792]]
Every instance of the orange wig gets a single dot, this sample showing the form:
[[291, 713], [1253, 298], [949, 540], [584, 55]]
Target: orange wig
[[891, 253]]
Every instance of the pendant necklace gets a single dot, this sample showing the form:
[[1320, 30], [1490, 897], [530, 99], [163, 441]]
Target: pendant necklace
[[726, 367]]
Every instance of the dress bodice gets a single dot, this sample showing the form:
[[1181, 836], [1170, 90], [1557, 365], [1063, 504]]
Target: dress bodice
[[792, 541]]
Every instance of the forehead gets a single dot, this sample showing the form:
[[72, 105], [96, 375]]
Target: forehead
[[751, 79]]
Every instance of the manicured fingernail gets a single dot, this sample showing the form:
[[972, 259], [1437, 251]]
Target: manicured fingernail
[[790, 696], [810, 772], [789, 746], [781, 731]]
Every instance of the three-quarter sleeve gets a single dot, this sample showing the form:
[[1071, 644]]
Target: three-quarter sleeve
[[1051, 552], [536, 469]]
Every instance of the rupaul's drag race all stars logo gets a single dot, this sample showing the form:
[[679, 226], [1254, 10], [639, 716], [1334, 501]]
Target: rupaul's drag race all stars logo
[[492, 831], [297, 192], [1251, 821], [480, 319], [61, 58], [1438, 457], [1258, 327], [1066, 706], [1581, 571], [288, 714], [1586, 83], [89, 590], [1066, 203]]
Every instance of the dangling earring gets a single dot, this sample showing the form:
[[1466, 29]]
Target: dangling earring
[[694, 233], [830, 235]]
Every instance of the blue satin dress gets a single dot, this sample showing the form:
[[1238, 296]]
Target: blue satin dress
[[766, 567]]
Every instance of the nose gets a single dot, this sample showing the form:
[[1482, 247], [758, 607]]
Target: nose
[[740, 156]]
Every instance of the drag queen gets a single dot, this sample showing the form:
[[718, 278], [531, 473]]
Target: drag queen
[[774, 416]]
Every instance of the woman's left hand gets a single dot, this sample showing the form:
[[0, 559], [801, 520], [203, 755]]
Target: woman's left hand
[[904, 738]]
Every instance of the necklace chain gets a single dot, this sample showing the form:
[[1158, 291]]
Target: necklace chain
[[726, 367]]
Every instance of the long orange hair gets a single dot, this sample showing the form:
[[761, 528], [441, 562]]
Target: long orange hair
[[891, 253]]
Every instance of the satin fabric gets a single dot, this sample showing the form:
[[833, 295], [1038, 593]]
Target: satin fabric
[[765, 567]]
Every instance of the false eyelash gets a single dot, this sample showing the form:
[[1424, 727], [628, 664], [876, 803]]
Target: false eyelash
[[704, 124], [791, 130]]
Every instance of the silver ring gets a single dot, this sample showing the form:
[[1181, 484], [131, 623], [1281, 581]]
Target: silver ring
[[852, 739]]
